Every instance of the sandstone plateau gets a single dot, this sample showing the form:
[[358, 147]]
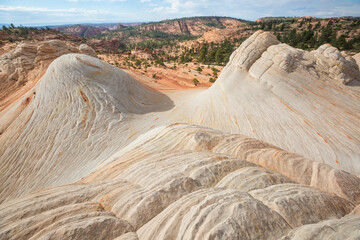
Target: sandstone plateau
[[269, 151]]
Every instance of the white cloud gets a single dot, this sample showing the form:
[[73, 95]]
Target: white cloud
[[179, 6], [143, 10], [62, 12]]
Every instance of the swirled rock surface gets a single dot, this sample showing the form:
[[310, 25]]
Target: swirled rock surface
[[28, 62], [270, 151], [291, 98]]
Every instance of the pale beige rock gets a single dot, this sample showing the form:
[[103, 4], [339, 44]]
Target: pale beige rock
[[347, 227], [77, 95], [193, 217], [301, 205], [356, 211], [337, 65], [195, 138], [71, 210], [298, 138], [131, 171], [28, 62], [325, 61], [252, 49], [158, 177], [52, 198], [289, 98], [89, 227], [128, 236], [164, 178], [304, 171], [251, 178], [85, 49], [357, 59], [279, 56]]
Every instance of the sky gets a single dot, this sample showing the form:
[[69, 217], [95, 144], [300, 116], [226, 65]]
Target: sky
[[55, 12]]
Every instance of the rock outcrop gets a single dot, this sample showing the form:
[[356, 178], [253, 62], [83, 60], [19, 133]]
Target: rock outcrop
[[89, 152], [29, 61], [252, 49], [337, 66], [74, 99], [262, 50], [85, 49], [158, 187], [357, 59], [195, 26], [344, 228], [288, 97]]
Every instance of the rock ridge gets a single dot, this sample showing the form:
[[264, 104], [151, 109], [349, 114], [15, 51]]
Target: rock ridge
[[263, 51]]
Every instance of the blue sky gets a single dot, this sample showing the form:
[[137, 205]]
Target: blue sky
[[51, 12]]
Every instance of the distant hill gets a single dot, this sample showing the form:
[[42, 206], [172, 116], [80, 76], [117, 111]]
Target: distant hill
[[184, 38], [91, 30], [194, 26], [302, 32]]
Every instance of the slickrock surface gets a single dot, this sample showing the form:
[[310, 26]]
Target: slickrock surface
[[252, 178], [291, 98], [29, 61], [85, 49], [163, 188], [339, 67], [347, 227], [91, 153], [357, 59], [80, 99], [193, 217]]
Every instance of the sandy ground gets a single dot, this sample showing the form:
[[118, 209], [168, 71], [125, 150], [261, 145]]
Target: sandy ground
[[168, 78]]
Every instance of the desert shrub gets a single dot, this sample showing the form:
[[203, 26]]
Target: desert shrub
[[138, 63], [195, 81]]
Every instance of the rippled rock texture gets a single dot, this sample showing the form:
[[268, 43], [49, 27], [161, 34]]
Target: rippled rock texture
[[91, 153]]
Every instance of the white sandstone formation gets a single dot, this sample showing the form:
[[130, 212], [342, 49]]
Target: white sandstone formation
[[289, 97], [85, 49], [91, 153], [357, 59], [29, 61], [79, 99], [175, 179], [337, 66]]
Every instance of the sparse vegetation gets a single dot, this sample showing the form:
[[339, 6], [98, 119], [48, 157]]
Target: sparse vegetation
[[148, 45], [310, 33], [215, 71], [25, 33]]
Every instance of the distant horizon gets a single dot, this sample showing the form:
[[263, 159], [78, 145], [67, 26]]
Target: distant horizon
[[142, 22], [67, 24], [70, 12]]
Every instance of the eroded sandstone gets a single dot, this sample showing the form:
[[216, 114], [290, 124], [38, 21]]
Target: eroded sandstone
[[89, 152]]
